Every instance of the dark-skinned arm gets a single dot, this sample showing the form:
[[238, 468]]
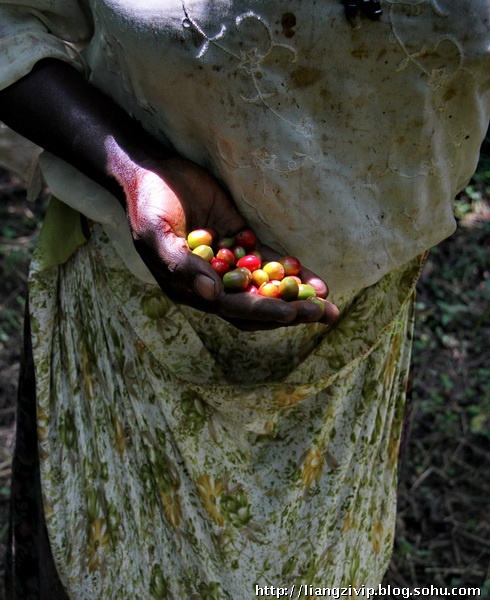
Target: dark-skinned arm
[[56, 108], [164, 195]]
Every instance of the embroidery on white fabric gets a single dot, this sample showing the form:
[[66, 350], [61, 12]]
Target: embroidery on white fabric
[[248, 60], [437, 77], [249, 63]]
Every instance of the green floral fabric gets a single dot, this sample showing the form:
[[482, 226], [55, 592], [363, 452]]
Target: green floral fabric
[[183, 459]]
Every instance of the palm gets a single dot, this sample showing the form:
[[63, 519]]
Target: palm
[[168, 201], [196, 199]]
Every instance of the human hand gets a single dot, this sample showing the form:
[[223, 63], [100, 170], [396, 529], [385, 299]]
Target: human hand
[[165, 200], [55, 107]]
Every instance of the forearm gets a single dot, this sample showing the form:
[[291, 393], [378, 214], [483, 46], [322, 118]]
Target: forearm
[[55, 107]]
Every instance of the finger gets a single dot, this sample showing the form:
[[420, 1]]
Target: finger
[[196, 274], [308, 312], [188, 271], [246, 311], [331, 314], [320, 311], [245, 306], [245, 325]]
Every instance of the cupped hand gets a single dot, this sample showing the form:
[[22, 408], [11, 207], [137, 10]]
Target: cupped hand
[[167, 199]]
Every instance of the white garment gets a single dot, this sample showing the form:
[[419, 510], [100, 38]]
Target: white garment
[[344, 146], [166, 473]]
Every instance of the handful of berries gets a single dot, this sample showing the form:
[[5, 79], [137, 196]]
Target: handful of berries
[[242, 268]]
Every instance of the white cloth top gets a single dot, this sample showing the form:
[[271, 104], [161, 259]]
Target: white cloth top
[[342, 145]]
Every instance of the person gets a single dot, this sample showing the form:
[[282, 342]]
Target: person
[[187, 441]]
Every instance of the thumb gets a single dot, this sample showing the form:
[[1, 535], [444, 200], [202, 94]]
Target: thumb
[[195, 273], [206, 287]]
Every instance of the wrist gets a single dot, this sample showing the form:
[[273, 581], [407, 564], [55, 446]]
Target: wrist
[[128, 166], [122, 171]]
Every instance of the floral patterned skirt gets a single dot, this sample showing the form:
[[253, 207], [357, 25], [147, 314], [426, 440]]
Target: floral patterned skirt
[[199, 461]]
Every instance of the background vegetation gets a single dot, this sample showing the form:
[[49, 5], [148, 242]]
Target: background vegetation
[[443, 531]]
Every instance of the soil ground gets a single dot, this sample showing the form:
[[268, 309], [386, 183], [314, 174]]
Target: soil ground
[[443, 529]]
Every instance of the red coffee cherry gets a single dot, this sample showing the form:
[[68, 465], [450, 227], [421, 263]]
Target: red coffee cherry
[[251, 262], [226, 254], [247, 239], [220, 265], [291, 265]]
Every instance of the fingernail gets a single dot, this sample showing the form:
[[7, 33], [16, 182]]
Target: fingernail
[[204, 286]]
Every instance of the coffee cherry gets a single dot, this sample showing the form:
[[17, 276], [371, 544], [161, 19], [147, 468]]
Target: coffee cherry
[[291, 265], [226, 254], [227, 242], [251, 262], [252, 289], [288, 289], [204, 251], [305, 291], [259, 277], [246, 238], [237, 280], [269, 290], [220, 265], [274, 269], [239, 252], [199, 237]]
